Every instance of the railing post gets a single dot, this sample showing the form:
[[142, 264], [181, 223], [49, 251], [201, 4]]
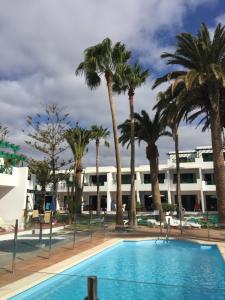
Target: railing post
[[90, 226], [160, 220], [181, 227], [74, 234], [92, 288], [14, 246], [50, 237], [40, 231], [167, 230], [207, 215], [104, 226]]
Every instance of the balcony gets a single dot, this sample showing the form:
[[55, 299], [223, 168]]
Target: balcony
[[7, 177], [161, 178], [6, 170]]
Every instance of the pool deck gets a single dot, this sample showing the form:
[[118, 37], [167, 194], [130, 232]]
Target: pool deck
[[33, 272]]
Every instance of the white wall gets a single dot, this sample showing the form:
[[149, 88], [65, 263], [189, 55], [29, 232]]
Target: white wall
[[13, 199]]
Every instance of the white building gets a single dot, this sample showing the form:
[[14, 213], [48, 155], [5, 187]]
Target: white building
[[14, 198], [197, 183], [17, 189]]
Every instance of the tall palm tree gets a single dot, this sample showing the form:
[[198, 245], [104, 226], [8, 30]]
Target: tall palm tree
[[148, 131], [99, 133], [104, 59], [78, 138], [203, 62], [127, 80], [171, 116]]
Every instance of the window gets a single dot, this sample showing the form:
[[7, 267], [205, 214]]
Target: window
[[147, 178], [188, 201], [161, 177], [102, 179], [183, 159], [185, 178], [209, 179], [207, 156], [211, 202]]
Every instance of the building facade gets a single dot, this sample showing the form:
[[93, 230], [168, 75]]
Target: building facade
[[198, 188], [15, 184]]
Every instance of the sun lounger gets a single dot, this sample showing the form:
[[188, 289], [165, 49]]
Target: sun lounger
[[193, 223], [176, 223], [148, 222]]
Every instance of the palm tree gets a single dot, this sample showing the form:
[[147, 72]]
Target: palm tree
[[148, 131], [104, 59], [203, 61], [78, 138], [128, 79], [98, 133], [171, 116]]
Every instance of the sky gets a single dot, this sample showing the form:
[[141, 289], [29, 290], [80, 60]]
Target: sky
[[42, 43]]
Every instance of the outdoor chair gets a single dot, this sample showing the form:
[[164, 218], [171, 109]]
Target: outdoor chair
[[47, 217], [35, 215]]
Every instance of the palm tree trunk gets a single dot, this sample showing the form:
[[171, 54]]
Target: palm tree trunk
[[133, 220], [223, 135], [78, 187], [72, 194], [152, 153], [97, 177], [176, 140], [119, 212], [218, 160]]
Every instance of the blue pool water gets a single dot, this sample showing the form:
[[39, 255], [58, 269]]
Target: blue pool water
[[142, 270]]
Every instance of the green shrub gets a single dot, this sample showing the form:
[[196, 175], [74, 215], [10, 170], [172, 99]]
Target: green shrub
[[62, 218], [167, 207], [138, 206]]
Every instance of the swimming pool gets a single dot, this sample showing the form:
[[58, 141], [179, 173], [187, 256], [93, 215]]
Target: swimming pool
[[141, 270]]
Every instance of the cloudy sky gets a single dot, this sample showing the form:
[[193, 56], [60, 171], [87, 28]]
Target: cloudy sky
[[42, 43]]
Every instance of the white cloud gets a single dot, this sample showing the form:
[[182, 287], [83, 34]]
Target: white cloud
[[42, 43]]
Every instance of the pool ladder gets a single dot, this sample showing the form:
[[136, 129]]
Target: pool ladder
[[166, 239]]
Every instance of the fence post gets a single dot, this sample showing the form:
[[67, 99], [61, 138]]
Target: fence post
[[181, 228], [14, 246], [92, 288], [207, 215], [50, 237], [74, 234], [104, 226], [167, 230], [90, 226], [40, 231], [160, 220]]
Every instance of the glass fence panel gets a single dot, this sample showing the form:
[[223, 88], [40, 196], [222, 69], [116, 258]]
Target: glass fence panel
[[84, 231], [32, 243], [60, 286], [6, 247]]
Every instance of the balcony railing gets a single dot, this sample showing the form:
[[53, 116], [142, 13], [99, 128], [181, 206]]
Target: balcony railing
[[6, 170]]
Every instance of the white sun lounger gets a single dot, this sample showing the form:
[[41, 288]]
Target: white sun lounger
[[176, 223]]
